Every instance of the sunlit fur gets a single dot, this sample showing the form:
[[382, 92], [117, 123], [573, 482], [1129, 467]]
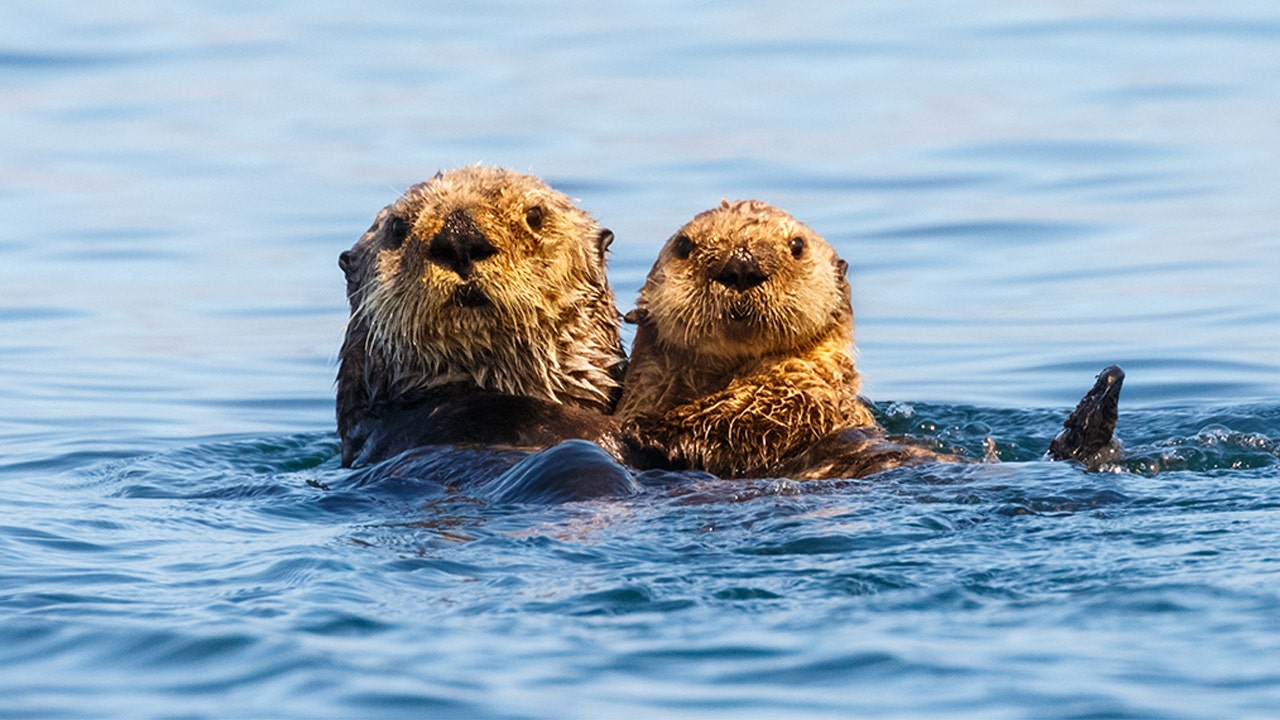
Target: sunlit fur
[[805, 299], [549, 330], [732, 381]]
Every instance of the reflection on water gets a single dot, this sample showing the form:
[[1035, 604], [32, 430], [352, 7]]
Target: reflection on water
[[1025, 194]]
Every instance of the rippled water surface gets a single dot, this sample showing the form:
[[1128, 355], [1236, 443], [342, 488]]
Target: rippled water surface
[[1025, 192]]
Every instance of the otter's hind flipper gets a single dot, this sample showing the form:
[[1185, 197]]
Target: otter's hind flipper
[[1088, 431]]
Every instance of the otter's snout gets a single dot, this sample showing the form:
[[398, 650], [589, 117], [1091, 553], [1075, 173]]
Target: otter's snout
[[459, 244], [741, 272]]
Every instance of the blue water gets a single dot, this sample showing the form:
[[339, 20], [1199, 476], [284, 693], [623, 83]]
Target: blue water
[[1025, 193]]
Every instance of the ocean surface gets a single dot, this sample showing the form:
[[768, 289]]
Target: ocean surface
[[1026, 192]]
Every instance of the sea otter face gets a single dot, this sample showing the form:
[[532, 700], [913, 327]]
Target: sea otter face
[[477, 249], [743, 280], [483, 275]]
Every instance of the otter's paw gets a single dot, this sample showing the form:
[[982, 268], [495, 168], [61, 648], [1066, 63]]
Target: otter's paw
[[645, 445]]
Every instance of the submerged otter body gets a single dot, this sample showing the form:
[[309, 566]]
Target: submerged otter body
[[480, 313]]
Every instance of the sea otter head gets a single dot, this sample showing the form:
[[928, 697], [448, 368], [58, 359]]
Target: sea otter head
[[745, 279], [484, 276]]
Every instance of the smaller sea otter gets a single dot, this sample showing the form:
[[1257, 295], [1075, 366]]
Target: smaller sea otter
[[743, 364], [480, 313], [743, 357]]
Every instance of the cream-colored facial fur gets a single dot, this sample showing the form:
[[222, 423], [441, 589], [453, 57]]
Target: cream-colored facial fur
[[804, 298]]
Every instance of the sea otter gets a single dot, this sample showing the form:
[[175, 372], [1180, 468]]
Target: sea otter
[[480, 313], [743, 363]]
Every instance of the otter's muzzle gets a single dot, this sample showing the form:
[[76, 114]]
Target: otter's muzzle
[[741, 272], [459, 244]]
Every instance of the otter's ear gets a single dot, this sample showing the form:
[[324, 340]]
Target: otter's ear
[[352, 262], [597, 272], [842, 281], [603, 241]]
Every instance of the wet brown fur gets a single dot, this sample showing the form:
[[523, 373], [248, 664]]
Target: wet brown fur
[[522, 318], [747, 370]]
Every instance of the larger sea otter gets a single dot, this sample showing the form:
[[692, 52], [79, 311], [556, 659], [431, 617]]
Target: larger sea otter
[[480, 313], [743, 359]]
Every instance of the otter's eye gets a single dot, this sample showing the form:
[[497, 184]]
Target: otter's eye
[[797, 247], [533, 217], [683, 247], [395, 232]]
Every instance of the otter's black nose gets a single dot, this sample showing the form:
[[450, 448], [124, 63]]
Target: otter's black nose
[[741, 273], [459, 244]]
